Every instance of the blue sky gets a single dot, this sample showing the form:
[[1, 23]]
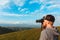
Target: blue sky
[[27, 11]]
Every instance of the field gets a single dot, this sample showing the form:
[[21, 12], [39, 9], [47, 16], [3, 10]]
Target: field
[[32, 34]]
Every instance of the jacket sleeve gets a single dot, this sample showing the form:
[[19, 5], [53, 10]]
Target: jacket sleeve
[[56, 33], [43, 36]]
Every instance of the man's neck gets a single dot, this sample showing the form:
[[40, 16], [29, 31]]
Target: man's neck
[[49, 26]]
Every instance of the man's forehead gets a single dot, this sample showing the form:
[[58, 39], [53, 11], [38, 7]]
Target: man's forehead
[[45, 20]]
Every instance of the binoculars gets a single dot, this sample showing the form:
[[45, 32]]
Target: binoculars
[[40, 20]]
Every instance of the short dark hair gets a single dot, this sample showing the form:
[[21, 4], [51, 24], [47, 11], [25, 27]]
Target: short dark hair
[[50, 18]]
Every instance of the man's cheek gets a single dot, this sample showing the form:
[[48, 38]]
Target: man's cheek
[[43, 24]]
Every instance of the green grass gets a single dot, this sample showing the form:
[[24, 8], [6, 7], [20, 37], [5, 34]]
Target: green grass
[[32, 34]]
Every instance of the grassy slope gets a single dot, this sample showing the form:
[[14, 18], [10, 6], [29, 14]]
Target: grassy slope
[[32, 34]]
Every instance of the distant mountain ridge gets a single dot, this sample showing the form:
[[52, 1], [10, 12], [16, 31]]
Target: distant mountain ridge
[[7, 28], [19, 25]]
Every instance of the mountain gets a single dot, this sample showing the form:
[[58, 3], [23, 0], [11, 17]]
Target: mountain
[[4, 30], [20, 25], [7, 28]]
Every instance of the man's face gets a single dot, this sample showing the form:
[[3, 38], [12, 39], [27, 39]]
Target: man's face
[[45, 23]]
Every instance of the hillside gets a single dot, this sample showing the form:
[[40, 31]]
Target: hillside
[[32, 34]]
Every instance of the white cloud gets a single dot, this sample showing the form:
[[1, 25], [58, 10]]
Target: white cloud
[[57, 21], [43, 1], [56, 4], [22, 10], [18, 22], [13, 14], [19, 8], [33, 1], [53, 6], [3, 2], [9, 14], [42, 7], [19, 2], [11, 22]]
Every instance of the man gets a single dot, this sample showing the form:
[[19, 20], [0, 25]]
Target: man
[[49, 31]]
